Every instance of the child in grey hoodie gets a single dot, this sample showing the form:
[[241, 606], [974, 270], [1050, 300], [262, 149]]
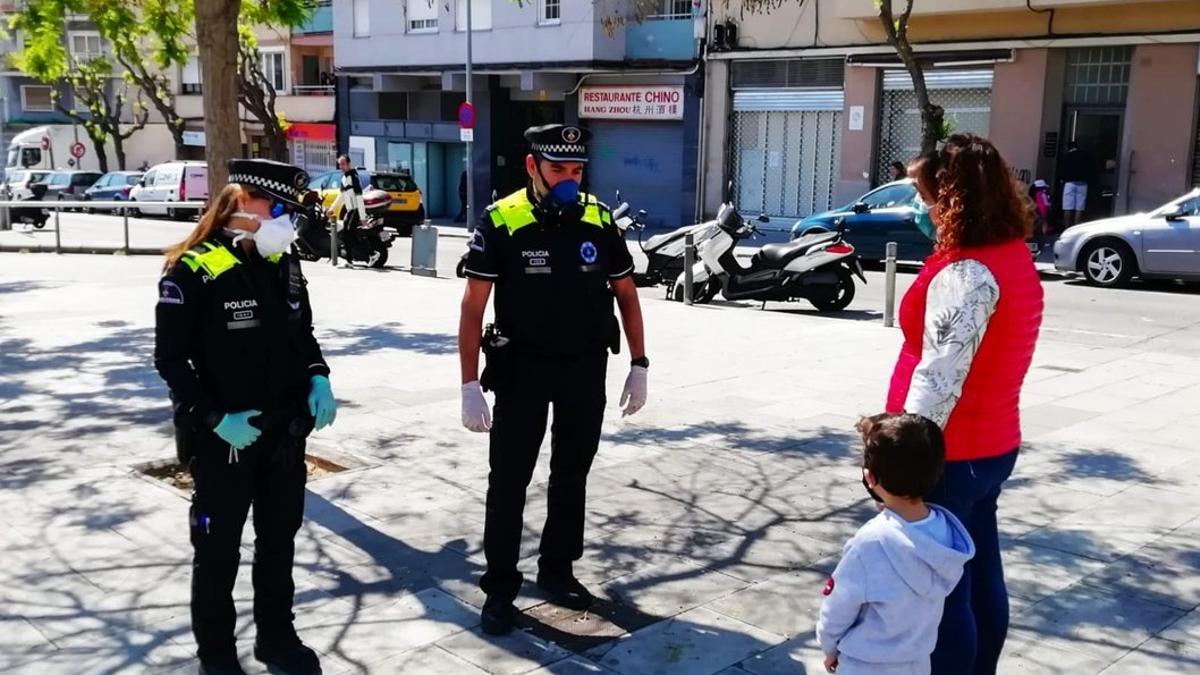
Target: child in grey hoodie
[[884, 601]]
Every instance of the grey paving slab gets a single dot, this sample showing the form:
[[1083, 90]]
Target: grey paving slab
[[694, 643], [1158, 656], [514, 653], [1026, 653], [800, 655], [432, 660], [1166, 571], [1186, 629], [786, 605], [1035, 572], [671, 588], [574, 665]]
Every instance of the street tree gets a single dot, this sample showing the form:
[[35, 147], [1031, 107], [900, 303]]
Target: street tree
[[933, 116], [257, 95]]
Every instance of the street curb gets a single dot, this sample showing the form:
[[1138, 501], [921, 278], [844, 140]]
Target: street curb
[[87, 250]]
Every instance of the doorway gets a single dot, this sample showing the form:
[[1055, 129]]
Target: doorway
[[510, 146], [1098, 131]]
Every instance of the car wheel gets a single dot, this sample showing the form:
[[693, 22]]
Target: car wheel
[[1108, 263], [133, 211], [840, 297]]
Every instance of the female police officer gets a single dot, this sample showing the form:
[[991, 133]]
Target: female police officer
[[234, 343]]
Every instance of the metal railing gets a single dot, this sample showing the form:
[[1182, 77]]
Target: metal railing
[[120, 208], [312, 90]]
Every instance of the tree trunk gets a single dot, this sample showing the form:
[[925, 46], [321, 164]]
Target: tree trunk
[[932, 115], [217, 36], [101, 153]]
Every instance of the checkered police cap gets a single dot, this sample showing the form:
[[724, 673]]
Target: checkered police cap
[[279, 180], [559, 143]]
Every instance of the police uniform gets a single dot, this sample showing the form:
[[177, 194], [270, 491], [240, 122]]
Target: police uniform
[[233, 333], [552, 275]]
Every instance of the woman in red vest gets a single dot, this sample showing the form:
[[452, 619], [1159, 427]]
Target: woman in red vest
[[970, 322]]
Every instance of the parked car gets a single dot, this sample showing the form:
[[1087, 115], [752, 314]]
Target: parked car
[[69, 186], [179, 181], [881, 215], [1164, 243], [113, 186], [17, 182], [406, 209]]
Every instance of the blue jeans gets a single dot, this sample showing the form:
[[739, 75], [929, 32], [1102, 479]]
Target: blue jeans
[[975, 620]]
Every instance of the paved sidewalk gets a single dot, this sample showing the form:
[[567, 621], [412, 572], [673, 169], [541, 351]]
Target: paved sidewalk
[[714, 515]]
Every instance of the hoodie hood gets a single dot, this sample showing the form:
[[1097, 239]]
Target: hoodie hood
[[926, 565]]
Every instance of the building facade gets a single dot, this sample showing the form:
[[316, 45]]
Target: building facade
[[635, 81], [808, 105]]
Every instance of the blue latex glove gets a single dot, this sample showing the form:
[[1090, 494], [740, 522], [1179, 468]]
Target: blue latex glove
[[320, 402], [236, 430]]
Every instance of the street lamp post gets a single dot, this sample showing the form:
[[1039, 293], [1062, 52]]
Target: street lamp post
[[470, 142]]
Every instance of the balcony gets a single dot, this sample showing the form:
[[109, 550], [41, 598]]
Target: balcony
[[666, 38], [299, 108], [865, 9], [321, 22]]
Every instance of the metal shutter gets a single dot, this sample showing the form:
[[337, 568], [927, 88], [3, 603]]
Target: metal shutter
[[644, 160]]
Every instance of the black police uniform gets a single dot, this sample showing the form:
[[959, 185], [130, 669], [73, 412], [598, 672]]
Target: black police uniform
[[234, 333], [554, 303]]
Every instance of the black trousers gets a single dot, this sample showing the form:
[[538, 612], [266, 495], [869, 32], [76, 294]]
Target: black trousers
[[270, 475], [575, 388]]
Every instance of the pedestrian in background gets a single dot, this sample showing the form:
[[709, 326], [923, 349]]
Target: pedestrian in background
[[884, 601], [234, 343], [970, 323], [1039, 193], [462, 198], [556, 260], [896, 171], [1077, 170]]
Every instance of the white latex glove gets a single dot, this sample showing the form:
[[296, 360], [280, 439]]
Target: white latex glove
[[634, 395], [476, 415]]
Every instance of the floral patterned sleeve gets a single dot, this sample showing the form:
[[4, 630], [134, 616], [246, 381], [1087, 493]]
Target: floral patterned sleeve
[[961, 299]]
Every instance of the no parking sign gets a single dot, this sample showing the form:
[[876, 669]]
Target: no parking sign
[[78, 150]]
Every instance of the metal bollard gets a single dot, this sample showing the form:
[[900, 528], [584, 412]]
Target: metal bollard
[[689, 261], [333, 242], [57, 232], [889, 302], [424, 250], [125, 215]]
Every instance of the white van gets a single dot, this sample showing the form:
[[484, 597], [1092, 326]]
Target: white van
[[179, 181]]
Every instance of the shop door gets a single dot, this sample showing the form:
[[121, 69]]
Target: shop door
[[1099, 133], [644, 160]]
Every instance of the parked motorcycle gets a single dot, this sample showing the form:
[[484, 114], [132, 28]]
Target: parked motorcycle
[[359, 241], [818, 267], [659, 259], [36, 217]]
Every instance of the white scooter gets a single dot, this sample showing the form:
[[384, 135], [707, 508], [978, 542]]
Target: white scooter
[[818, 267], [659, 259]]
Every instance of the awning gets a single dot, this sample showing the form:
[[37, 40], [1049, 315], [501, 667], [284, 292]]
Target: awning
[[312, 131]]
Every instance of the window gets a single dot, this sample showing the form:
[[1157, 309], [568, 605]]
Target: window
[[481, 15], [274, 70], [550, 13], [1098, 75], [189, 76], [423, 16], [673, 9], [36, 98], [86, 46], [362, 18], [896, 195], [393, 105]]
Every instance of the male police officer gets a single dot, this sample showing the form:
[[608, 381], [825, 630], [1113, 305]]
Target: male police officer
[[556, 261]]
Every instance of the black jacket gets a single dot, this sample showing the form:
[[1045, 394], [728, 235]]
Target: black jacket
[[239, 340]]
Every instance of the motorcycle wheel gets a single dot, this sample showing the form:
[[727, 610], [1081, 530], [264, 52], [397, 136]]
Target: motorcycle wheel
[[39, 224], [378, 258], [842, 295], [707, 292]]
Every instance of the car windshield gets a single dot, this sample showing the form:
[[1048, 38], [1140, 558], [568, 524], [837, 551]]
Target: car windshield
[[899, 194], [1175, 204], [132, 179], [15, 177], [392, 182]]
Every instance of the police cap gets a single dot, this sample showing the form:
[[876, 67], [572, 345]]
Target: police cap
[[559, 142], [276, 179]]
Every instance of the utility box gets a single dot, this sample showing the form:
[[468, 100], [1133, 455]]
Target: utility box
[[424, 250]]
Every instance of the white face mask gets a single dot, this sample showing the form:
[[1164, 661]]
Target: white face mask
[[274, 235]]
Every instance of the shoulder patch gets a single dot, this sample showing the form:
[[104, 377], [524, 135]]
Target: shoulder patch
[[169, 293]]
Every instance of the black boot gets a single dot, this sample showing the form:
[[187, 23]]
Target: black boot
[[295, 658], [565, 590], [497, 617], [223, 668]]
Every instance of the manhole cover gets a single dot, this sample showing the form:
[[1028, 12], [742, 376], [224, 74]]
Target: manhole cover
[[319, 462]]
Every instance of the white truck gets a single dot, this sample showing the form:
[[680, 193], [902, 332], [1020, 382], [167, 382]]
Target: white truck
[[48, 148]]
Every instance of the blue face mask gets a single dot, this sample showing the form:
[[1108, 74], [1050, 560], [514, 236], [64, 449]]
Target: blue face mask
[[566, 192], [923, 220]]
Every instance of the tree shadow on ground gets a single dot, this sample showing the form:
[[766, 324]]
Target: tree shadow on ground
[[358, 340]]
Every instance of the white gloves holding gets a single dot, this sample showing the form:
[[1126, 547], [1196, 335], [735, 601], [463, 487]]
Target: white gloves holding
[[476, 415], [634, 395]]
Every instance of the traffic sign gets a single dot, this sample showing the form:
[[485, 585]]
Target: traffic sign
[[77, 150], [466, 135], [45, 142], [466, 115]]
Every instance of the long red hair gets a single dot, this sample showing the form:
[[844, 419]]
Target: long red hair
[[978, 201], [216, 218]]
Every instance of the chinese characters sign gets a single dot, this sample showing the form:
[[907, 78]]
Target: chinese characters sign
[[632, 102]]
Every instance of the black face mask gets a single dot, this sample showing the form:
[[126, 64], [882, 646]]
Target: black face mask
[[870, 491]]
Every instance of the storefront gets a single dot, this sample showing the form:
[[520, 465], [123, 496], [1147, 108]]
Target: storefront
[[313, 146]]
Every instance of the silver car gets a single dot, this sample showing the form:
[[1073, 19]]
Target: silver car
[[1164, 243]]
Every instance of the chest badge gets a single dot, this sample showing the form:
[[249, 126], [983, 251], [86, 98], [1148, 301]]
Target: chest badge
[[588, 252]]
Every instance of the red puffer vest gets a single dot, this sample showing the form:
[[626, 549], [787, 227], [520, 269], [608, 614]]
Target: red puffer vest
[[986, 421]]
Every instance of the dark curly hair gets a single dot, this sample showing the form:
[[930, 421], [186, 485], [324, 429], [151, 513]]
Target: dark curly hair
[[978, 201]]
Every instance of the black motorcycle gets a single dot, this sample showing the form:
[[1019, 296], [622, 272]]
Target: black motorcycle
[[359, 241], [36, 217]]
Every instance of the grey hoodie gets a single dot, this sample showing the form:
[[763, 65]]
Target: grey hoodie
[[884, 601]]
